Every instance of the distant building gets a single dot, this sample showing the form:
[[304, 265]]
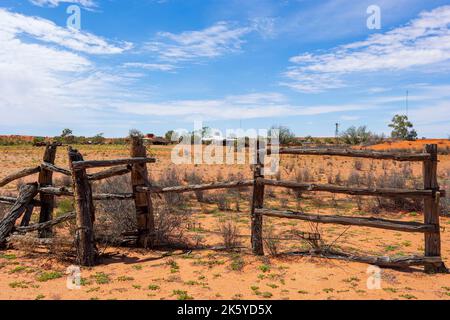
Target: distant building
[[153, 139], [217, 138]]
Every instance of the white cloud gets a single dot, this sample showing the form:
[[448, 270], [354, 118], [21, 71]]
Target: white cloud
[[40, 29], [422, 42], [350, 118], [150, 66], [42, 82], [211, 42], [55, 3], [256, 105], [52, 85]]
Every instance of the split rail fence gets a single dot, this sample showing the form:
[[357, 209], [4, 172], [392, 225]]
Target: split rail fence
[[142, 189]]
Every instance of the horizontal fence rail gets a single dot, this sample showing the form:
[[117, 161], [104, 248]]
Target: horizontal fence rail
[[44, 225], [68, 192], [109, 173], [198, 187], [12, 200], [19, 175], [380, 192], [388, 262], [53, 168], [109, 163], [397, 156], [353, 221]]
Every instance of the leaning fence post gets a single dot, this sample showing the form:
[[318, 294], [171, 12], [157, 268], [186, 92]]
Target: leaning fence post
[[142, 200], [431, 210], [46, 180], [258, 202], [26, 194], [84, 236]]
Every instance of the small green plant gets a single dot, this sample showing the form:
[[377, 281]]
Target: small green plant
[[18, 269], [351, 279], [302, 292], [272, 285], [51, 275], [264, 268], [174, 267], [390, 248], [102, 278], [64, 206], [328, 290], [393, 290], [406, 243], [137, 267], [266, 295], [255, 290], [18, 284], [85, 282], [8, 256], [237, 264], [125, 278], [153, 287], [182, 295], [39, 297]]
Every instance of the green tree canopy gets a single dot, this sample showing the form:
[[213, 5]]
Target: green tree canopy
[[402, 128], [286, 136], [66, 132], [356, 135]]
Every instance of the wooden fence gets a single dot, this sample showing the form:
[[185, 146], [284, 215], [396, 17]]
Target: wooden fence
[[142, 189], [430, 194]]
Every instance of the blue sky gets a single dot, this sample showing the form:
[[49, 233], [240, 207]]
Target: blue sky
[[157, 65]]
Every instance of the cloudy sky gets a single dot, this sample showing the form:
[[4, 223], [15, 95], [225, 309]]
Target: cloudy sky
[[161, 64]]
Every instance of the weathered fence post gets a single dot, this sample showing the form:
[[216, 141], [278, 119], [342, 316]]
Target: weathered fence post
[[142, 200], [27, 215], [84, 236], [46, 180], [258, 202], [431, 210], [26, 195]]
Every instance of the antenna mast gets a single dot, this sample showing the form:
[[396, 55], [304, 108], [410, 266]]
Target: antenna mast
[[407, 102]]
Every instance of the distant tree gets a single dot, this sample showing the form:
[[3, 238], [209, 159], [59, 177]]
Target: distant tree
[[173, 136], [402, 128], [206, 132], [135, 133], [355, 136], [98, 139], [169, 135], [66, 132], [38, 140], [286, 136], [67, 136]]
